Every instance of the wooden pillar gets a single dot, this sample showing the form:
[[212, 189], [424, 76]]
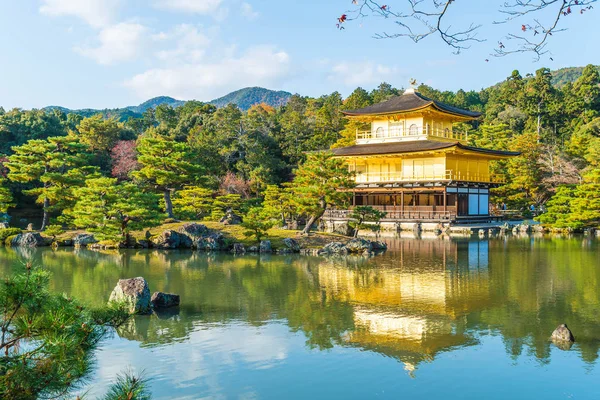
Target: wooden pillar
[[402, 204], [445, 201]]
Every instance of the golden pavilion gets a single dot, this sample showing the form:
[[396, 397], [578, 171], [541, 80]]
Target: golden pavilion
[[414, 165]]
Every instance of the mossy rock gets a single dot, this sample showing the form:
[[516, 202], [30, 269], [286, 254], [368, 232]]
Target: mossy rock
[[8, 241]]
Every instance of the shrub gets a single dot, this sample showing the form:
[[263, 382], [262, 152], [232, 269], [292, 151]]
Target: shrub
[[8, 232]]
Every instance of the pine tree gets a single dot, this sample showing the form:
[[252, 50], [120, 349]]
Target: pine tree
[[112, 209], [558, 208], [48, 340], [193, 202], [6, 197], [226, 203], [166, 165], [257, 222], [279, 204], [54, 166], [319, 183], [365, 217], [585, 206], [99, 134]]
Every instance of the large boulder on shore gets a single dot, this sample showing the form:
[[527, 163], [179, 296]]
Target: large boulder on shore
[[28, 239], [238, 248], [170, 239], [231, 218], [562, 334], [334, 248], [214, 241], [194, 230], [164, 300], [291, 245], [265, 247], [134, 294], [84, 240], [359, 246]]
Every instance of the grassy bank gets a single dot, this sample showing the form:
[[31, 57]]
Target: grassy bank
[[233, 233]]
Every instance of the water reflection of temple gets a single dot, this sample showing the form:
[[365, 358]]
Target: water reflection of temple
[[414, 305]]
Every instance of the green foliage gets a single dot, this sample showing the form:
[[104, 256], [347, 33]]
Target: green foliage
[[193, 202], [585, 206], [247, 97], [558, 208], [319, 183], [8, 232], [366, 217], [257, 222], [222, 204], [48, 340], [54, 230], [166, 165], [99, 134], [128, 386], [6, 197], [55, 166], [279, 204], [111, 209], [18, 127]]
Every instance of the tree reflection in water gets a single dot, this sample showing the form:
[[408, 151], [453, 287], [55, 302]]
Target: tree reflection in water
[[421, 298]]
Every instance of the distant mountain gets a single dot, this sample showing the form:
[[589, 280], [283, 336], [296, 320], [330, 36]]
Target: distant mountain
[[155, 102], [247, 97], [243, 98], [562, 76]]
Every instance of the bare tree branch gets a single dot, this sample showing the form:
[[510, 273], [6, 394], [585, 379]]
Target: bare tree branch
[[529, 41], [422, 18]]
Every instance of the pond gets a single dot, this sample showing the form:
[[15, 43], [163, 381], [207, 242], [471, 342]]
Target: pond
[[431, 318]]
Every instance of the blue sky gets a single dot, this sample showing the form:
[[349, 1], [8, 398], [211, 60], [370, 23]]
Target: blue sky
[[114, 53]]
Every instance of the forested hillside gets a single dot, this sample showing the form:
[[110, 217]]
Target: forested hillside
[[243, 98], [197, 152]]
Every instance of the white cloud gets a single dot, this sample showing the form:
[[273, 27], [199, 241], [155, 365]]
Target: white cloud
[[361, 73], [204, 7], [190, 44], [96, 13], [248, 11], [258, 66], [118, 43]]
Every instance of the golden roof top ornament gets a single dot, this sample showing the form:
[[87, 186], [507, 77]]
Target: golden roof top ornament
[[413, 86]]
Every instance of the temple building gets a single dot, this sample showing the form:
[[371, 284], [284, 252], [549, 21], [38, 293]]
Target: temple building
[[415, 166]]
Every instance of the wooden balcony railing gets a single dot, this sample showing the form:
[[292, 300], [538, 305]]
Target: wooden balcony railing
[[448, 175], [395, 213], [414, 133]]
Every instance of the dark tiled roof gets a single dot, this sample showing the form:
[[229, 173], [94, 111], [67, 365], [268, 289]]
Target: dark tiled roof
[[410, 147], [408, 102]]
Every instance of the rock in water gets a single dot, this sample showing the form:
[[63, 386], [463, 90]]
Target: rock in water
[[134, 293], [334, 248], [359, 246], [29, 239], [164, 300], [378, 246], [238, 248], [265, 246], [562, 334], [84, 240], [291, 245]]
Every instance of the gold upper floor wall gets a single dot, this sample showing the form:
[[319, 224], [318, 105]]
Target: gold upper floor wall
[[422, 167], [409, 127]]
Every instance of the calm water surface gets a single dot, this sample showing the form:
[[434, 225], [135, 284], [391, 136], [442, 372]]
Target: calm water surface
[[432, 318]]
